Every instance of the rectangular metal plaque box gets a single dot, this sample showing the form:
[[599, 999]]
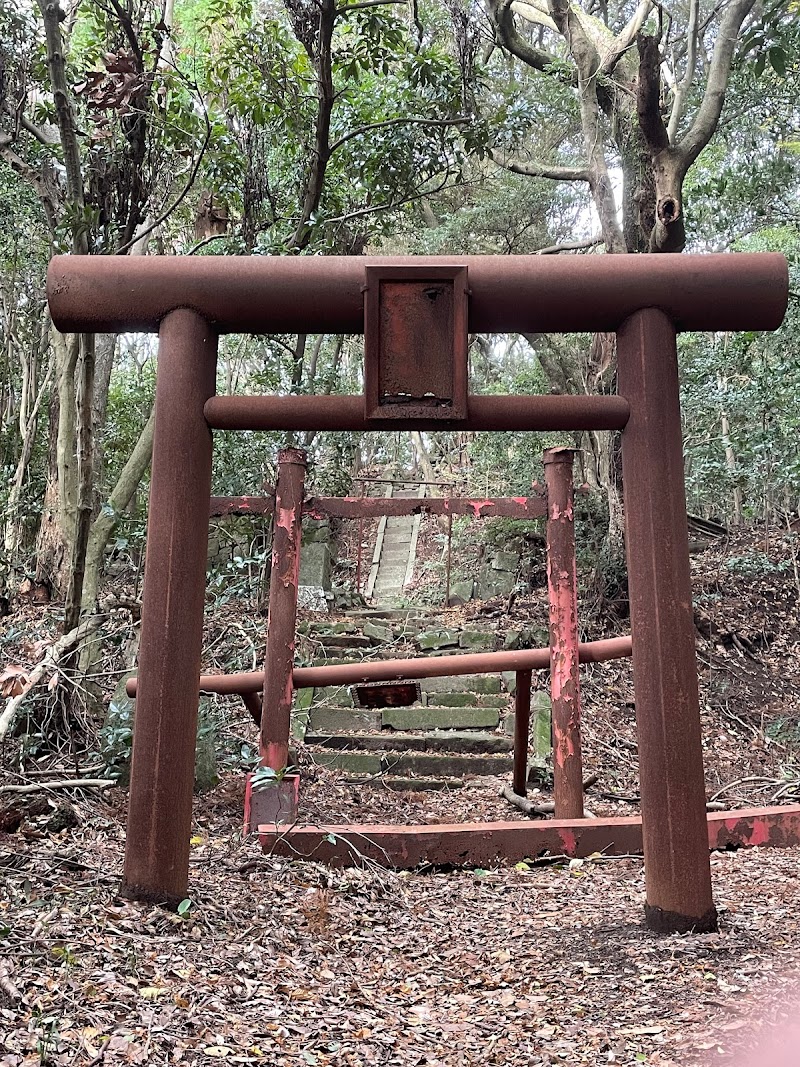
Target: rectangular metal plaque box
[[415, 342]]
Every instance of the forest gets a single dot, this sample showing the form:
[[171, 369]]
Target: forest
[[566, 129]]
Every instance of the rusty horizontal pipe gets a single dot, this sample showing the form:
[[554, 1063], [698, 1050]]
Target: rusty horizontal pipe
[[389, 670], [368, 507], [324, 294], [484, 413]]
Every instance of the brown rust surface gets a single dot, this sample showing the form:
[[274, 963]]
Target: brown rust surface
[[355, 507], [562, 597], [323, 294], [415, 342], [483, 413], [677, 870], [482, 844], [162, 773], [398, 669], [522, 726], [278, 690]]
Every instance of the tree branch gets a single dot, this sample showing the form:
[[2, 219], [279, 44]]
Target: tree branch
[[65, 117], [569, 246], [707, 117], [626, 37], [538, 169], [682, 87], [394, 122], [176, 202], [537, 58], [347, 8]]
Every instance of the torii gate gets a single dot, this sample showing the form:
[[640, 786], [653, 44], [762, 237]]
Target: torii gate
[[416, 313]]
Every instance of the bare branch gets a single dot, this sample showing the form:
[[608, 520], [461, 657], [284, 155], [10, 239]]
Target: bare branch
[[683, 86], [538, 169], [533, 12], [626, 37], [176, 202], [569, 246], [707, 117]]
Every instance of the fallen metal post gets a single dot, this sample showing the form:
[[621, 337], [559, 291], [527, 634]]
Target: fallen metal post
[[276, 713], [522, 725], [162, 772], [563, 604], [678, 872]]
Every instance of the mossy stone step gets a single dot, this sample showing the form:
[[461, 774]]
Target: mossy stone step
[[444, 765], [440, 718], [475, 743], [469, 700], [467, 683], [410, 785], [413, 764], [333, 720]]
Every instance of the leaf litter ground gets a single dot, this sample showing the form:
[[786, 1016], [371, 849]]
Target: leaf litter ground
[[289, 963]]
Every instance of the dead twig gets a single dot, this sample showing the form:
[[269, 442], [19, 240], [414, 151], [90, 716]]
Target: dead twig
[[6, 985], [65, 783], [48, 663]]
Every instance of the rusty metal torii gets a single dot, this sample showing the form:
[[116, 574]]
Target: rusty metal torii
[[426, 306]]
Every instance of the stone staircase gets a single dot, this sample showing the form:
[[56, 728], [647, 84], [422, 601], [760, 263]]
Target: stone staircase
[[395, 552], [458, 728]]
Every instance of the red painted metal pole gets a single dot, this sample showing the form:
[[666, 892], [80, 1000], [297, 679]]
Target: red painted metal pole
[[677, 869], [562, 597], [522, 725], [388, 670], [449, 558], [360, 553], [278, 688], [162, 772]]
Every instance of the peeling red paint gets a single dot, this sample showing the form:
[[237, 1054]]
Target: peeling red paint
[[564, 657]]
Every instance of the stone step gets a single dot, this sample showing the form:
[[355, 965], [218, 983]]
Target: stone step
[[464, 699], [409, 785], [422, 764], [468, 683], [439, 718], [338, 641], [337, 720], [454, 741]]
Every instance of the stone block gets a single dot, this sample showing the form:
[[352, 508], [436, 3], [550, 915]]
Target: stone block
[[446, 766], [315, 565], [377, 634], [477, 640], [494, 583], [436, 639], [505, 561], [315, 531], [440, 718], [461, 592], [350, 720], [467, 700], [471, 683]]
